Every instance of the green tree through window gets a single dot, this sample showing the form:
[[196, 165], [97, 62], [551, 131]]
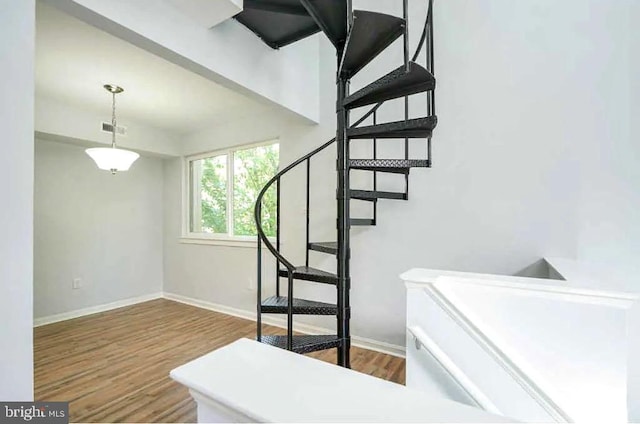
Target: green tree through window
[[210, 197], [252, 169], [214, 195]]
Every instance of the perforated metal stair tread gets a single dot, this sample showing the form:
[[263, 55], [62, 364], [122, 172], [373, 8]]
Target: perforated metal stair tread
[[330, 247], [304, 344], [413, 128], [308, 273], [280, 305], [370, 34], [398, 166], [375, 195], [277, 23], [397, 83], [330, 16]]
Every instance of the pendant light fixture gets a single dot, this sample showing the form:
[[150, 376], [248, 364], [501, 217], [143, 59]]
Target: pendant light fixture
[[111, 158]]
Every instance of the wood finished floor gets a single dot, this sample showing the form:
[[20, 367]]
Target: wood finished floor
[[114, 366]]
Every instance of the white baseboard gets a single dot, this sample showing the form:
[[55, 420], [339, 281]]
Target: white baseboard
[[357, 341], [363, 342], [210, 306], [37, 322]]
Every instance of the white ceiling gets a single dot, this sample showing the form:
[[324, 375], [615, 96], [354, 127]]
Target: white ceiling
[[74, 60]]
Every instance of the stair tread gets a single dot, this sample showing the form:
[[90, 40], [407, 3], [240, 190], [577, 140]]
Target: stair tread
[[280, 304], [304, 343], [308, 273], [277, 24], [362, 222], [330, 16], [330, 247], [370, 34], [397, 83], [374, 195], [412, 128], [390, 165]]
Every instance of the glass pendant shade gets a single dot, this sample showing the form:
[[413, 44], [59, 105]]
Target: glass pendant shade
[[112, 159]]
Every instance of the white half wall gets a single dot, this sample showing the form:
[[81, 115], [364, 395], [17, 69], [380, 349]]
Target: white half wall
[[104, 229], [17, 30], [572, 344], [535, 349]]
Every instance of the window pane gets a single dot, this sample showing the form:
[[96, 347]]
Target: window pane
[[209, 195], [252, 169]]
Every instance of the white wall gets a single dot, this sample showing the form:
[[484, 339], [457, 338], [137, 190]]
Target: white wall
[[212, 273], [520, 102], [74, 124], [275, 77], [526, 93], [221, 274], [610, 231], [105, 229], [17, 27]]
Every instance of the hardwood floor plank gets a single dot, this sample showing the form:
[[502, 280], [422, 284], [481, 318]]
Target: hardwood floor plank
[[114, 366]]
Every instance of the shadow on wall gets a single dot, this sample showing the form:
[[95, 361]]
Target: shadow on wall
[[539, 269]]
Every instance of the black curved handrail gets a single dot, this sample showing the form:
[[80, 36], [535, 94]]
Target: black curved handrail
[[258, 207], [425, 30]]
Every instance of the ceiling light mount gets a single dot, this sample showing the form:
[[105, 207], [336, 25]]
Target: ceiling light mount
[[114, 89], [111, 158]]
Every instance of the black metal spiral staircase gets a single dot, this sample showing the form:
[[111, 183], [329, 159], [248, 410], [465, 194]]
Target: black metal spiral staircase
[[359, 36]]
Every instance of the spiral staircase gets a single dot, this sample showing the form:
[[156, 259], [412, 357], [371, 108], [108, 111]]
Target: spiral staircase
[[358, 36]]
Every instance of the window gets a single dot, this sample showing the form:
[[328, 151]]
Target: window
[[223, 188]]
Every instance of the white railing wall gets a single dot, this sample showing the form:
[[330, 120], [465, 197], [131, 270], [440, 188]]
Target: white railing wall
[[531, 349]]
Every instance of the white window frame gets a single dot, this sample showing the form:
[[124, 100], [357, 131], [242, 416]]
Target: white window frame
[[220, 239]]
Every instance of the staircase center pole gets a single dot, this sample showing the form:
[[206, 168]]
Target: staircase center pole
[[343, 223]]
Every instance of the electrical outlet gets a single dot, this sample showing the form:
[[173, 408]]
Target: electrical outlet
[[77, 283], [251, 285]]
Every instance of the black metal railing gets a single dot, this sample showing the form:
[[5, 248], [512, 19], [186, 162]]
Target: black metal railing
[[405, 13], [275, 250], [426, 38], [427, 34]]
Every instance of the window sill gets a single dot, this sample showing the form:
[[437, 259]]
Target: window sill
[[246, 243]]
